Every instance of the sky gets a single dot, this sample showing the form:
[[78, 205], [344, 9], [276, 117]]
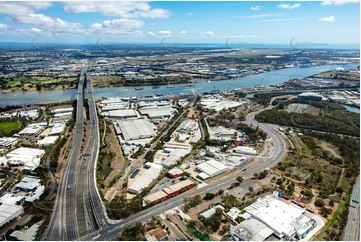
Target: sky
[[169, 22]]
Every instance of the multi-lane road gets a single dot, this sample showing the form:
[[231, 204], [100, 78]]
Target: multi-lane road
[[79, 213], [352, 230], [111, 231], [78, 209]]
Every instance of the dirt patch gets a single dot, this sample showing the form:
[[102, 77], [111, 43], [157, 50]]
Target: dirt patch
[[329, 147], [117, 162]]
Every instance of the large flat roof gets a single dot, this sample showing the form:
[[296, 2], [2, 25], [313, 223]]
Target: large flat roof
[[276, 214], [145, 179], [137, 129]]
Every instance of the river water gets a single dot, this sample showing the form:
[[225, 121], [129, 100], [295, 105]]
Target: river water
[[264, 79]]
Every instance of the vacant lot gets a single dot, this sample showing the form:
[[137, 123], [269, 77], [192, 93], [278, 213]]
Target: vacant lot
[[9, 127]]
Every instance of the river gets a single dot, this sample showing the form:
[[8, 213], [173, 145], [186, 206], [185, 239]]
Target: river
[[264, 79]]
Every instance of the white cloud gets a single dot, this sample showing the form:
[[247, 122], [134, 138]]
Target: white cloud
[[282, 20], [3, 26], [190, 14], [256, 8], [183, 32], [289, 6], [256, 16], [329, 19], [151, 33], [209, 33], [164, 33], [128, 9], [23, 13], [123, 23], [36, 30], [37, 19], [338, 2]]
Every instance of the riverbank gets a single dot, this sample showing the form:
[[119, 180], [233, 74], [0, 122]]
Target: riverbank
[[251, 81]]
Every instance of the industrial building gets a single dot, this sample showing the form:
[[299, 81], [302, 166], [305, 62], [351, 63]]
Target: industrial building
[[136, 129], [310, 96], [222, 105], [146, 178], [175, 172], [29, 234], [270, 216], [50, 140], [62, 110], [168, 192], [169, 156], [337, 99], [157, 112], [33, 113], [29, 158], [28, 184], [32, 130], [187, 125], [211, 168], [57, 129], [122, 113], [245, 150], [7, 142], [11, 199], [210, 212], [9, 212]]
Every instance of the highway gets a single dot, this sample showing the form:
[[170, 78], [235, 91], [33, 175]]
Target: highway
[[111, 231], [352, 229], [78, 210]]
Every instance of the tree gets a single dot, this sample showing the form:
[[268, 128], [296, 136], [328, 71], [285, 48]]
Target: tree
[[239, 179], [339, 189], [209, 196], [309, 194], [250, 189], [319, 203]]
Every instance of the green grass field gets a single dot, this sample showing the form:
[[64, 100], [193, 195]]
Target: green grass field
[[7, 127]]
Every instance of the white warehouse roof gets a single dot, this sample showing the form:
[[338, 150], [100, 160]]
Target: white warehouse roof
[[146, 178], [137, 129], [123, 113], [28, 157], [282, 218], [212, 168]]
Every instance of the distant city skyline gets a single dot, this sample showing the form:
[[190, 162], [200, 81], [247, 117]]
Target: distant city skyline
[[240, 24]]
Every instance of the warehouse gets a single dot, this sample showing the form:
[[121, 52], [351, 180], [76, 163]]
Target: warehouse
[[222, 105], [27, 157], [287, 221], [122, 113], [32, 130], [136, 129], [245, 150], [9, 212], [337, 99], [310, 96], [178, 187], [28, 184], [7, 142], [56, 129], [47, 141], [157, 112], [175, 172], [187, 125], [170, 157], [146, 178], [11, 199], [62, 110], [211, 168], [167, 192]]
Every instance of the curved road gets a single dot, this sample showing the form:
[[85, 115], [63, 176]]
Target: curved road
[[111, 231]]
